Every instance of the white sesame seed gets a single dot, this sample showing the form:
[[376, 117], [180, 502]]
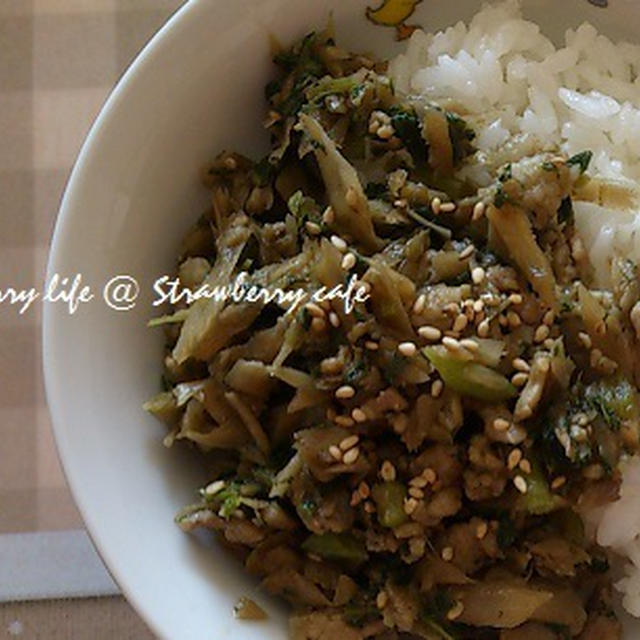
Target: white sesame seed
[[419, 481], [549, 317], [436, 203], [387, 471], [348, 262], [460, 323], [349, 442], [343, 421], [520, 484], [514, 459], [430, 333], [359, 415], [401, 204], [451, 343], [447, 554], [416, 492], [483, 329], [478, 305], [448, 207], [467, 252], [314, 310], [558, 483], [515, 298], [339, 243], [345, 392], [521, 365], [407, 349], [477, 275], [520, 379], [482, 530], [215, 487], [335, 452], [470, 344], [351, 456], [381, 600], [313, 228], [410, 506], [514, 319], [329, 215], [420, 303], [595, 357], [478, 211], [430, 475], [436, 388], [525, 465], [541, 333], [371, 345], [456, 611], [500, 424], [334, 319], [585, 339], [385, 132]]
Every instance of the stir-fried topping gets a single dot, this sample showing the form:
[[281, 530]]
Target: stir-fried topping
[[416, 461]]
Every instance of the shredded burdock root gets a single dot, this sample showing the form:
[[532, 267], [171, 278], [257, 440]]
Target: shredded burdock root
[[417, 465]]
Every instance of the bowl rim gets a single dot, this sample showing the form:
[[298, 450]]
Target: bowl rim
[[67, 214]]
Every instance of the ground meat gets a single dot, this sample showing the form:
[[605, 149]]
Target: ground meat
[[470, 551]]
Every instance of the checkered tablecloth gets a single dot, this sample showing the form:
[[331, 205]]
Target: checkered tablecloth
[[58, 61]]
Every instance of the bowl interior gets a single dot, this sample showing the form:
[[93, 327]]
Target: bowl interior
[[195, 90]]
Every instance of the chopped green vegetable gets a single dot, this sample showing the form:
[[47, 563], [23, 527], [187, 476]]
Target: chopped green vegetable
[[339, 547], [581, 160], [461, 137], [565, 212], [407, 127], [539, 500], [615, 399], [470, 378], [389, 498], [174, 318]]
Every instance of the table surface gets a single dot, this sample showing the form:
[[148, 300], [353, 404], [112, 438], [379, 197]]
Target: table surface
[[58, 61]]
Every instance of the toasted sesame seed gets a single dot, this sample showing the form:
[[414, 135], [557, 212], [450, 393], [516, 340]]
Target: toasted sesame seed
[[448, 207], [401, 204], [349, 261], [447, 554], [467, 252], [351, 456], [436, 388], [329, 215], [515, 298], [595, 357], [381, 600], [520, 379], [343, 421], [410, 506], [514, 459], [345, 392], [359, 415], [371, 345], [461, 322], [436, 203], [314, 310], [339, 243], [363, 490], [513, 319], [452, 308], [549, 317], [478, 305], [451, 343], [318, 325], [349, 442], [369, 507], [335, 452], [525, 465], [478, 275], [470, 344], [385, 132], [482, 530], [502, 319], [478, 211], [549, 343], [416, 492], [215, 487], [521, 365], [430, 475], [456, 611], [313, 228], [419, 481], [419, 304], [400, 422], [585, 339], [407, 349], [334, 319], [558, 483], [541, 333], [387, 471], [430, 333], [520, 484], [483, 329], [500, 424]]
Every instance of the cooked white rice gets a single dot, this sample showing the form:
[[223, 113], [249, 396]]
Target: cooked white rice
[[513, 82]]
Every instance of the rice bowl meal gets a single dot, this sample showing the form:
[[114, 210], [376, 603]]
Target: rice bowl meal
[[436, 436]]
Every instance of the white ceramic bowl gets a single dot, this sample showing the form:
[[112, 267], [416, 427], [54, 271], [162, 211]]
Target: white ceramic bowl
[[196, 89]]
